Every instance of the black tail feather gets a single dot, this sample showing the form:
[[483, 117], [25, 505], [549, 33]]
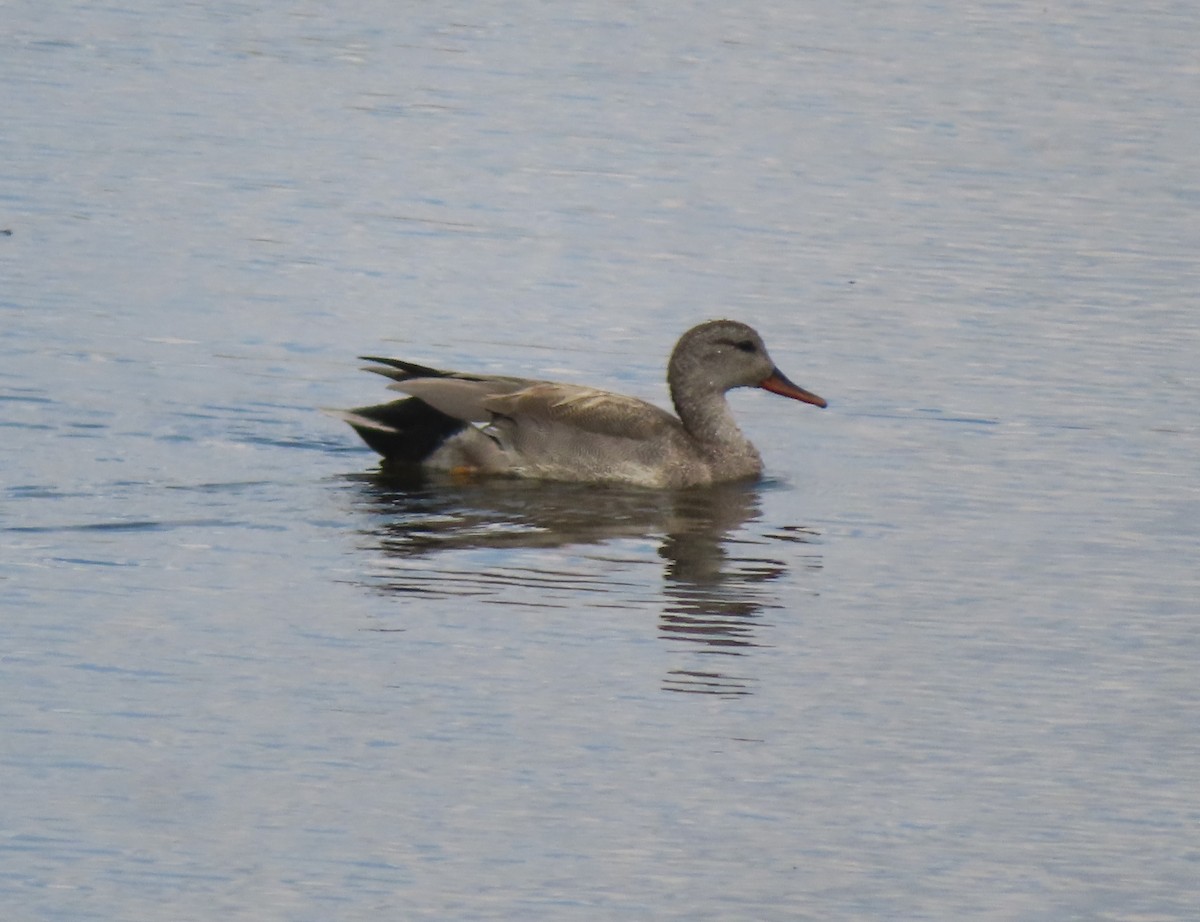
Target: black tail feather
[[400, 370], [413, 430]]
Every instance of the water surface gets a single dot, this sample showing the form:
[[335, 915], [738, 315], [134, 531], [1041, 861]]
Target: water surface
[[939, 664]]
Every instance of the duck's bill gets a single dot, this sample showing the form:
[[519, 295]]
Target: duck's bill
[[777, 383]]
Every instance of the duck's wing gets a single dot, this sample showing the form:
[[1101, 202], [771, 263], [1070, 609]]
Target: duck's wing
[[461, 396], [582, 409], [484, 398]]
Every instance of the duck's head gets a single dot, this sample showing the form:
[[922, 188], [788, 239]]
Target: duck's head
[[723, 354]]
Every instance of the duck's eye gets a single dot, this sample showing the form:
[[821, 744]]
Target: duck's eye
[[746, 346]]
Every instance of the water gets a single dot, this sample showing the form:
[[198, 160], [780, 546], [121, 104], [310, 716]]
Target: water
[[939, 664]]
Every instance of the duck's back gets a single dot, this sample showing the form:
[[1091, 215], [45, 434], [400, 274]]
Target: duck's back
[[570, 432]]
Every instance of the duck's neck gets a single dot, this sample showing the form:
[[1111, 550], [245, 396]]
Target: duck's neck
[[706, 416]]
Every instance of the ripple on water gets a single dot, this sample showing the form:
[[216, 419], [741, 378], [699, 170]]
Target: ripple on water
[[702, 559]]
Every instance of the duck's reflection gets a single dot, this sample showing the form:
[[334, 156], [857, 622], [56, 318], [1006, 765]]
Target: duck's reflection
[[717, 582]]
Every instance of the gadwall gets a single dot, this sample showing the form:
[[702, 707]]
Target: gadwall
[[539, 429]]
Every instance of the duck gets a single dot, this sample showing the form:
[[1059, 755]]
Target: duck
[[474, 424]]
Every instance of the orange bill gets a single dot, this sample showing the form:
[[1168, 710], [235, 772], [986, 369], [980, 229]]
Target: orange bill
[[777, 383]]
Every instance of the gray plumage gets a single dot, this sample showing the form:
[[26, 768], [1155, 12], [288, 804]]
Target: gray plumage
[[529, 428]]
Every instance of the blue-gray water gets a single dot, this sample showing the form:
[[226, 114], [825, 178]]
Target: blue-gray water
[[941, 664]]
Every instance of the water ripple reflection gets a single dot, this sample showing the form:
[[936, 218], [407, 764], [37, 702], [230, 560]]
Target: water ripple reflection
[[703, 559]]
